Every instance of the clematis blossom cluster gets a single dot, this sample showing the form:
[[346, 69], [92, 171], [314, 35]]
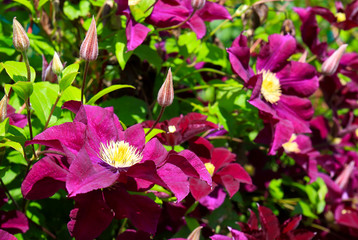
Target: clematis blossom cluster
[[99, 163]]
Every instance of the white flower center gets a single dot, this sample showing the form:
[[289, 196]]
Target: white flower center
[[119, 154], [270, 88]]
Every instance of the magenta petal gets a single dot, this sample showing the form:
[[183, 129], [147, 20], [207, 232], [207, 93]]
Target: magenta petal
[[155, 152], [45, 178], [239, 58], [269, 222], [347, 216], [238, 172], [220, 237], [199, 188], [298, 79], [273, 55], [6, 236], [197, 25], [175, 179], [14, 222], [214, 199], [131, 234], [142, 211], [135, 136], [198, 165], [291, 224], [85, 176], [147, 171], [90, 217], [213, 11], [136, 34]]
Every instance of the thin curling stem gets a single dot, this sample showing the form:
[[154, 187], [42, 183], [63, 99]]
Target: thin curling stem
[[84, 80], [28, 104], [52, 110], [180, 24], [156, 121]]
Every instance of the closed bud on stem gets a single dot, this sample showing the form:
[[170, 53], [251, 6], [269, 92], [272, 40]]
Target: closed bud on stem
[[166, 92], [195, 234], [57, 66], [20, 39], [3, 108], [329, 67], [198, 4], [89, 47]]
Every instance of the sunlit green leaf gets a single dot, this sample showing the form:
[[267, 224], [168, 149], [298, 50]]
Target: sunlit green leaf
[[106, 91]]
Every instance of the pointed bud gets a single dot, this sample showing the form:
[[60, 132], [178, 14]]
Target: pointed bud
[[198, 4], [303, 57], [20, 39], [89, 47], [329, 67], [3, 108], [195, 234], [166, 92], [57, 66], [343, 178]]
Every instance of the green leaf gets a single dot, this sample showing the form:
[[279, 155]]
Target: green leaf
[[275, 188], [73, 11], [121, 49], [4, 126], [3, 171], [139, 10], [106, 91], [22, 89], [97, 3], [154, 132], [42, 99], [28, 4], [147, 53], [15, 145], [17, 71], [67, 81], [73, 68], [41, 3], [305, 209]]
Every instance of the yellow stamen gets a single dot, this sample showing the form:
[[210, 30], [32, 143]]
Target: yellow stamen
[[270, 88], [119, 154], [291, 146], [341, 17], [172, 129], [210, 167]]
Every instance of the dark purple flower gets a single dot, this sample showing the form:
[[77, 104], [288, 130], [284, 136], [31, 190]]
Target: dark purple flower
[[279, 87], [135, 32], [180, 129], [16, 119], [167, 13], [102, 162]]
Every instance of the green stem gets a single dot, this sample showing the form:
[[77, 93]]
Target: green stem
[[52, 110], [28, 104], [9, 195], [159, 117], [84, 80], [178, 25]]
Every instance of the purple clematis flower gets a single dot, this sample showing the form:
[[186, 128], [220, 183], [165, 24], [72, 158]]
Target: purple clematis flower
[[135, 32], [279, 87], [16, 119], [167, 13], [100, 163], [224, 172]]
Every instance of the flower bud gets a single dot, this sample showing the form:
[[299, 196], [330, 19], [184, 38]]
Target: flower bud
[[195, 234], [89, 47], [3, 108], [329, 67], [20, 39], [57, 66], [288, 28], [166, 92], [198, 4]]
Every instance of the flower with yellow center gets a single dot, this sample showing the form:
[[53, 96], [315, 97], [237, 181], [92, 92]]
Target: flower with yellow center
[[210, 167], [270, 88], [291, 146], [341, 17], [119, 154]]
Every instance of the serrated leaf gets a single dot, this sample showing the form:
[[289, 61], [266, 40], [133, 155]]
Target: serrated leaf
[[106, 91], [22, 89], [67, 81], [43, 98], [17, 71]]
